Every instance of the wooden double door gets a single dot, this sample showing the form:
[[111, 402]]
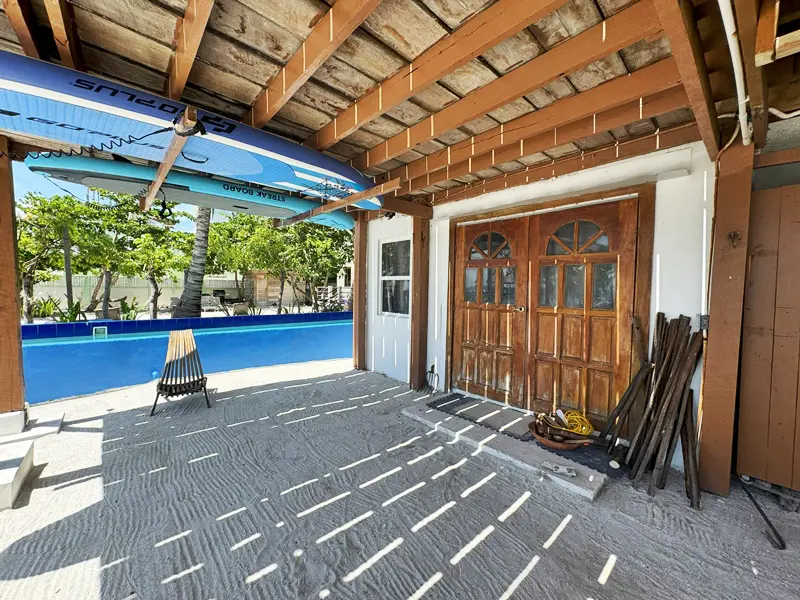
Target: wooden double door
[[543, 307]]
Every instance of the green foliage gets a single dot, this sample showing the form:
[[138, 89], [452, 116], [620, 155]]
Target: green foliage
[[73, 313], [44, 308], [129, 311]]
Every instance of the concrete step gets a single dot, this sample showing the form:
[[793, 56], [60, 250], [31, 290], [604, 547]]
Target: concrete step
[[16, 461], [34, 431]]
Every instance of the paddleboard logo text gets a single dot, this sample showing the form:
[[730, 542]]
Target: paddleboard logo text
[[249, 191]]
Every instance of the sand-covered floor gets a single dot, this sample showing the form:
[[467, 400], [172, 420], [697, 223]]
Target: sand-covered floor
[[305, 481]]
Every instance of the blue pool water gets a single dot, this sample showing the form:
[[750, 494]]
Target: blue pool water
[[63, 367]]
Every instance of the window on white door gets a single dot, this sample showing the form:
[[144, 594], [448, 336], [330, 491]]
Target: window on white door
[[395, 277]]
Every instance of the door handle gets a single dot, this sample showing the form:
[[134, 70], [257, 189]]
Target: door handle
[[520, 309]]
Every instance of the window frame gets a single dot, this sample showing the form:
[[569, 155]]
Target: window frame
[[382, 277]]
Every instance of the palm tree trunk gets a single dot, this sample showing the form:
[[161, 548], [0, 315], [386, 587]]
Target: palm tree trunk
[[106, 291], [155, 293], [280, 294], [189, 304], [67, 244], [27, 298]]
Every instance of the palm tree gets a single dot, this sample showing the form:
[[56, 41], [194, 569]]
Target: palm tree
[[189, 304]]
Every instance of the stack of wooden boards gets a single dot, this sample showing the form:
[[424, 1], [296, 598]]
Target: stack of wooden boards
[[669, 410]]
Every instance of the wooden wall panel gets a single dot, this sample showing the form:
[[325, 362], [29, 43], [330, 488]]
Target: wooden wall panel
[[757, 334], [601, 340], [12, 396]]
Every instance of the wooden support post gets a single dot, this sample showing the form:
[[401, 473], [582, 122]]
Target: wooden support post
[[342, 203], [13, 392], [420, 252], [721, 367], [360, 292]]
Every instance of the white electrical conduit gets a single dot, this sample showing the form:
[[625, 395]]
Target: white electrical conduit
[[729, 22], [782, 115]]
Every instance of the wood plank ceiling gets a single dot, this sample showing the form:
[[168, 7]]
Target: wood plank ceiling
[[623, 80]]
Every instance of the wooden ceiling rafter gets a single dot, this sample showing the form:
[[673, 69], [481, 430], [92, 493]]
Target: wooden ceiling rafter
[[613, 118], [328, 34], [625, 28], [65, 34], [481, 32], [22, 20], [549, 121], [653, 142], [767, 31], [187, 122], [188, 34], [679, 25], [342, 203]]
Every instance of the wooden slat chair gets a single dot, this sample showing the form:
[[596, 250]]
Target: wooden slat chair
[[183, 373]]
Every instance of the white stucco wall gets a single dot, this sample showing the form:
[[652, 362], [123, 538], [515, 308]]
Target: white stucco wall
[[684, 204], [388, 336]]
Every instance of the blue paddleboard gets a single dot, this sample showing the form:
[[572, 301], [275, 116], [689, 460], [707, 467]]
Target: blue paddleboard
[[46, 100], [129, 178]]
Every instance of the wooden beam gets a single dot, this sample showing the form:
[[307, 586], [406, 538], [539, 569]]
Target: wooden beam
[[360, 292], [721, 361], [405, 207], [22, 20], [483, 31], [623, 29], [766, 32], [378, 190], [755, 78], [187, 122], [188, 34], [420, 248], [779, 157], [668, 138], [12, 397], [634, 87], [681, 29], [649, 107], [65, 34], [328, 34], [787, 44]]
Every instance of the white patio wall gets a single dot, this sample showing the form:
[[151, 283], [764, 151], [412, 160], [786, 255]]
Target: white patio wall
[[684, 208]]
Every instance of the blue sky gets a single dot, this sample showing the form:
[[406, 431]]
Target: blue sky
[[26, 181]]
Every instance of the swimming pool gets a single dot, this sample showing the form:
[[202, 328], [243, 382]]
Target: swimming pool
[[64, 367]]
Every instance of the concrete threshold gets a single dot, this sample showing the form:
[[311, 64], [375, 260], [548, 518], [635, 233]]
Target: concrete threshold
[[35, 430], [525, 455], [16, 461]]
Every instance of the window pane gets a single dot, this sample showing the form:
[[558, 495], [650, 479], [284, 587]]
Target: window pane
[[604, 286], [482, 242], [554, 248], [573, 285], [548, 285], [471, 285], [508, 291], [489, 276], [599, 245], [566, 233], [396, 258], [586, 229], [395, 296], [496, 241], [475, 254], [505, 252]]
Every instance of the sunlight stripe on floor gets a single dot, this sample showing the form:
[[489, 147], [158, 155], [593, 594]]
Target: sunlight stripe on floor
[[372, 560], [379, 477], [471, 545], [199, 458], [232, 513], [245, 541], [423, 589], [259, 574], [372, 403], [458, 433], [172, 539], [458, 412], [327, 404], [403, 444], [478, 485], [316, 507], [301, 420], [446, 470], [520, 578], [606, 573], [177, 576], [290, 411], [433, 516], [114, 563], [195, 432], [414, 461], [345, 527], [486, 416], [297, 487], [413, 488], [241, 423], [341, 410], [514, 507], [359, 462], [448, 402], [507, 425], [554, 536]]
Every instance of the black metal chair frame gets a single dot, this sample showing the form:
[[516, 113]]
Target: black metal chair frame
[[183, 373]]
